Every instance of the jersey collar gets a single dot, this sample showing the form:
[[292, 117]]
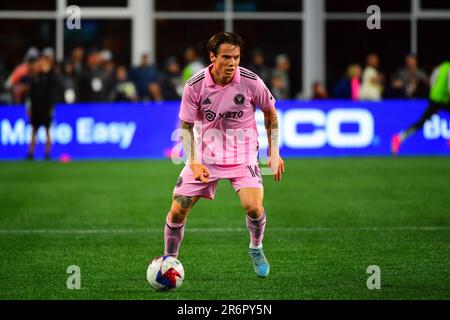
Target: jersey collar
[[209, 79]]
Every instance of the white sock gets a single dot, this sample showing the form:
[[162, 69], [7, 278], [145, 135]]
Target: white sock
[[252, 246]]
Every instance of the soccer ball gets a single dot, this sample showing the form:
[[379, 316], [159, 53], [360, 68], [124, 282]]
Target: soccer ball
[[165, 273]]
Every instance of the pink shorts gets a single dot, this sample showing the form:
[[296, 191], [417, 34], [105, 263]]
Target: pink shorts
[[240, 176]]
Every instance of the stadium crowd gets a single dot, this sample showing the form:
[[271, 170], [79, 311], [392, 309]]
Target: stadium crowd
[[368, 83], [94, 76]]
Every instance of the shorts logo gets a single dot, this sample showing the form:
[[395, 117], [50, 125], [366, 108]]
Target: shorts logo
[[239, 99], [179, 181], [254, 171], [210, 115]]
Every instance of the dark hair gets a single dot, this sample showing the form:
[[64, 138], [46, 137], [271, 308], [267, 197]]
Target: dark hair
[[221, 38]]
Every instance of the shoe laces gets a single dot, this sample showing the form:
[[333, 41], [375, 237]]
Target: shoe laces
[[257, 254]]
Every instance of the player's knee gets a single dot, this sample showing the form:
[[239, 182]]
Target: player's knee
[[178, 215], [178, 212], [254, 209], [181, 205]]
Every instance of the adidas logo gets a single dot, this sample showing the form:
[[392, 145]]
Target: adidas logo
[[206, 101]]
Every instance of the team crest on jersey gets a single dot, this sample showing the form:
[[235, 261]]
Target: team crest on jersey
[[179, 181], [210, 115], [239, 99]]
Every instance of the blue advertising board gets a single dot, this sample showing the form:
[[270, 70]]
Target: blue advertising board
[[307, 128]]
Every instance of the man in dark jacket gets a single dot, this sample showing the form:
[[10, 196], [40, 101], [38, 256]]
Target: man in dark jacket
[[95, 83], [42, 97]]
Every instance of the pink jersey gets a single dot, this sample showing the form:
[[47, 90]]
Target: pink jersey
[[224, 117]]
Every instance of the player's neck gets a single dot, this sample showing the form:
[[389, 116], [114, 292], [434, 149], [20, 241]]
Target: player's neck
[[219, 79]]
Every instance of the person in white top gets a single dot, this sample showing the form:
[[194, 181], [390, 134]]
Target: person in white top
[[371, 88]]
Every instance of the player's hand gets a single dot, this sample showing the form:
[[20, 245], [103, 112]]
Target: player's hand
[[277, 165], [201, 173]]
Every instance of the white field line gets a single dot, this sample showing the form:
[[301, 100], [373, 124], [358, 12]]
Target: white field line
[[209, 230]]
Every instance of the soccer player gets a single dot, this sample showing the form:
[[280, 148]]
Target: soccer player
[[439, 99], [222, 99]]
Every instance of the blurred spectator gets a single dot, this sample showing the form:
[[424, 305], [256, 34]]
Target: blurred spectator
[[395, 89], [95, 83], [280, 81], [76, 59], [143, 75], [193, 63], [16, 82], [319, 91], [371, 88], [48, 59], [106, 55], [278, 87], [350, 85], [259, 67], [5, 97], [41, 99], [69, 83], [49, 54], [124, 89], [170, 83], [108, 66], [414, 80], [2, 71]]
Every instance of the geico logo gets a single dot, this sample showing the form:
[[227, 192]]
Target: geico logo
[[436, 128], [327, 128]]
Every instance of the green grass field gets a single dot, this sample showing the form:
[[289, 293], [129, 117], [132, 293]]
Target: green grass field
[[328, 221]]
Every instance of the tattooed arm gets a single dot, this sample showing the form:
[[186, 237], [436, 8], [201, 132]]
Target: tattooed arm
[[200, 172], [188, 141], [271, 124], [275, 161]]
